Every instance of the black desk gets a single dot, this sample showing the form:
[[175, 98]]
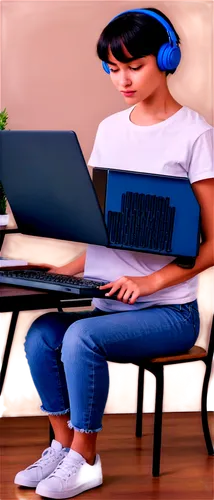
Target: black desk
[[15, 299]]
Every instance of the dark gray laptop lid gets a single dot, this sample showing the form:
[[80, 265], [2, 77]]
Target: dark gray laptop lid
[[48, 186]]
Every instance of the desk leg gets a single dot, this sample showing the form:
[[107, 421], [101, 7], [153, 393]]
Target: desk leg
[[2, 235], [8, 348]]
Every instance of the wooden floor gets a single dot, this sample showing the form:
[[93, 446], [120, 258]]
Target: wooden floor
[[186, 469]]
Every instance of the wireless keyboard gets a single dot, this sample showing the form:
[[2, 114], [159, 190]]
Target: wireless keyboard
[[51, 281]]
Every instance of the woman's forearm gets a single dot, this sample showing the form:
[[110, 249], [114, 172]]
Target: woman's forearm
[[76, 266], [171, 274]]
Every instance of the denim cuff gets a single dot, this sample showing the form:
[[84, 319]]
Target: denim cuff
[[86, 431], [63, 412]]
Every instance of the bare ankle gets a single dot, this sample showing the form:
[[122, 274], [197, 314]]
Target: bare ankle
[[85, 444], [89, 457], [91, 461], [62, 433], [65, 437], [65, 441]]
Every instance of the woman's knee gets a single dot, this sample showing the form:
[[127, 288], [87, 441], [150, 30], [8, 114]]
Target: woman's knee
[[80, 336], [40, 333]]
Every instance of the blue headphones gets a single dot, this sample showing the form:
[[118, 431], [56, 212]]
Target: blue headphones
[[169, 55]]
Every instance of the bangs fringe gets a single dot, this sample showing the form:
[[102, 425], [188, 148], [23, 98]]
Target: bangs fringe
[[120, 33]]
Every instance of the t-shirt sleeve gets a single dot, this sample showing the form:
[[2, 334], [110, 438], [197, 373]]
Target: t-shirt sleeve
[[95, 158], [202, 157]]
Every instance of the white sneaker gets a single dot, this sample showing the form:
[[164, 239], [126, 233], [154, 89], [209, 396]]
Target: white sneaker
[[72, 476], [43, 467]]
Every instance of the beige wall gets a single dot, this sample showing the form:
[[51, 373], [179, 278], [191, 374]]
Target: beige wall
[[52, 79]]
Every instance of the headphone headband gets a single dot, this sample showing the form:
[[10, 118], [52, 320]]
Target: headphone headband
[[165, 24], [169, 54]]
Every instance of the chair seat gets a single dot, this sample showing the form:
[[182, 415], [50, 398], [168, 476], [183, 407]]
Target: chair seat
[[196, 352]]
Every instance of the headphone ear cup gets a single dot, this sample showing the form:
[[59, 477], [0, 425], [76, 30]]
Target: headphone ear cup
[[174, 57], [106, 67], [168, 57], [160, 57]]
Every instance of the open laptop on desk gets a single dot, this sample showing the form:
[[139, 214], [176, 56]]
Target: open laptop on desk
[[51, 194]]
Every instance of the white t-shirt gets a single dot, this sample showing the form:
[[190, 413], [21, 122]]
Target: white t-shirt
[[181, 145]]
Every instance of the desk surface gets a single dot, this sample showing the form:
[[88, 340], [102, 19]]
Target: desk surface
[[23, 299], [8, 229]]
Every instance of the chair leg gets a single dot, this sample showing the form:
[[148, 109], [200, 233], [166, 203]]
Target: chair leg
[[139, 417], [204, 415], [158, 421], [51, 433]]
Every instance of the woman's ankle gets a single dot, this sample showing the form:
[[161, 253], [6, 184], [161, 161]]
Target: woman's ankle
[[88, 456], [66, 441], [85, 445], [62, 433], [91, 461]]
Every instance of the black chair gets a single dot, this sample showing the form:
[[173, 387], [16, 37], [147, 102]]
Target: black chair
[[156, 366]]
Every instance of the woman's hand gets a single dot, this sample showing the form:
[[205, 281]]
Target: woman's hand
[[131, 287], [74, 267], [49, 268]]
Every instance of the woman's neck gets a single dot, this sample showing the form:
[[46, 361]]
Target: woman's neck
[[155, 109]]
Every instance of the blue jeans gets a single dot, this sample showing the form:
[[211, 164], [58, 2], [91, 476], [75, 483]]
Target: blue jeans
[[68, 352]]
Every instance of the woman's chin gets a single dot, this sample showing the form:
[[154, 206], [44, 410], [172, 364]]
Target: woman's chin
[[131, 99]]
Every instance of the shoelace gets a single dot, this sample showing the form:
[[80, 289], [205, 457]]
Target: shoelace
[[66, 468], [50, 457]]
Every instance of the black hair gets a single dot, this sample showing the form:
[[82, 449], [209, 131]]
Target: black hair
[[141, 34]]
